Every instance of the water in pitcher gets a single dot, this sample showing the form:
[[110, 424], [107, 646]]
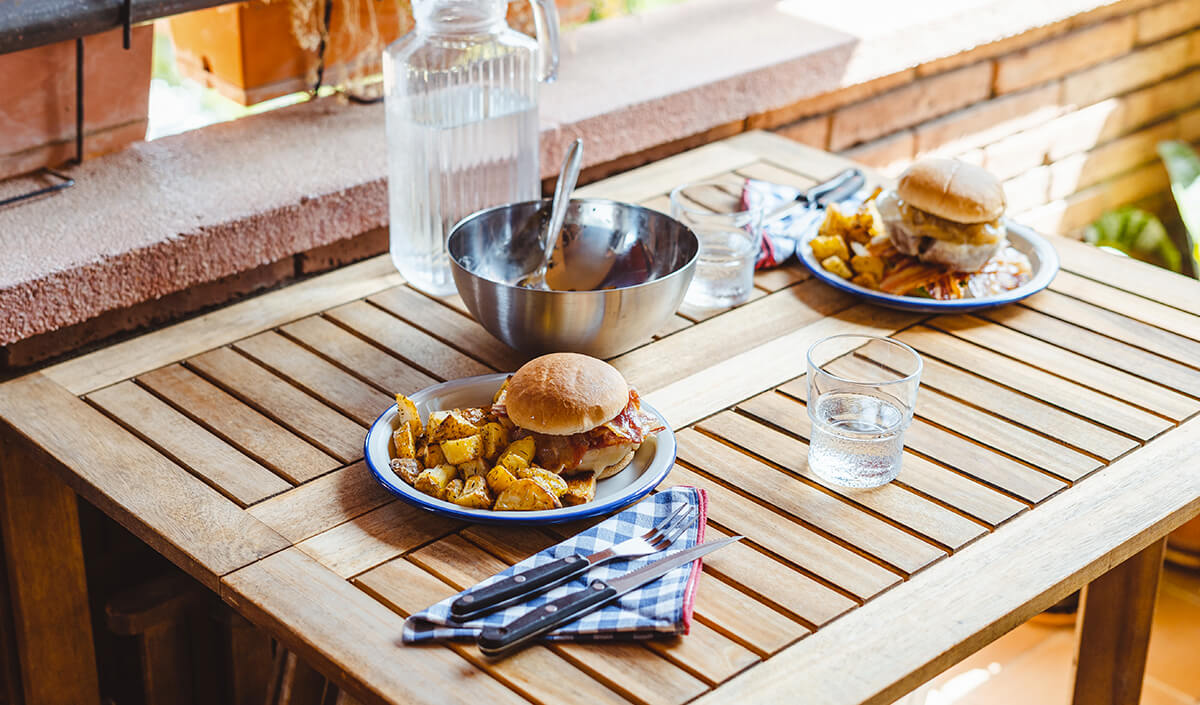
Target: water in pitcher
[[857, 439], [454, 151]]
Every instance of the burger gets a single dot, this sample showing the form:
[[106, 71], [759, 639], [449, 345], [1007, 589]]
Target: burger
[[946, 212], [583, 414]]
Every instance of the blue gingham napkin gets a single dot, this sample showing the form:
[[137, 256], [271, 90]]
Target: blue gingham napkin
[[661, 608], [781, 237]]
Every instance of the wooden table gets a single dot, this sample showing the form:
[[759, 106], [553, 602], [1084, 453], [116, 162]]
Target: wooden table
[[1054, 446]]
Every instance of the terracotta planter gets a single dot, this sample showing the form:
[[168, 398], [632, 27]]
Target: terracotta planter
[[37, 100], [249, 53], [1183, 545]]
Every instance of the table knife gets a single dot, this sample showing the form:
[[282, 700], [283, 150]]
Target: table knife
[[839, 188], [494, 641], [479, 601]]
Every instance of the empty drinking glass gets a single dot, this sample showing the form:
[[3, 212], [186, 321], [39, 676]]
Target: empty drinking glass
[[730, 235], [861, 393]]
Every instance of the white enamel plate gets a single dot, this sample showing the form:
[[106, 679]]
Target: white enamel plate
[[650, 465]]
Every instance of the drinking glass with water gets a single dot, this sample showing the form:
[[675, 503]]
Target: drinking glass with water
[[861, 393], [730, 236]]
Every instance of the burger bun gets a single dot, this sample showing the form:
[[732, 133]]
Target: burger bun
[[952, 189], [565, 393]]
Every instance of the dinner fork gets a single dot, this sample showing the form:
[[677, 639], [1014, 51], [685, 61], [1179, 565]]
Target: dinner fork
[[521, 586]]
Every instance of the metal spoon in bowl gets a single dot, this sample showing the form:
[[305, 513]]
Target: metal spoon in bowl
[[558, 213]]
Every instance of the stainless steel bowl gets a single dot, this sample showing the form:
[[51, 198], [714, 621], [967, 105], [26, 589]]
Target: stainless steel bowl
[[618, 274]]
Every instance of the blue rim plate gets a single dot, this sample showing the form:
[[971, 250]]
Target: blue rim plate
[[1040, 252], [650, 465]]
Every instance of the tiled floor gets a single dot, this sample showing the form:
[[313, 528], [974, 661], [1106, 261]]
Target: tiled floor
[[1032, 664]]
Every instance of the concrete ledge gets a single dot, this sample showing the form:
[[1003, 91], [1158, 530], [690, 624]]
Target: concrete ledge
[[166, 216]]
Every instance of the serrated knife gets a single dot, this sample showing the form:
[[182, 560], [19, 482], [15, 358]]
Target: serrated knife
[[494, 641]]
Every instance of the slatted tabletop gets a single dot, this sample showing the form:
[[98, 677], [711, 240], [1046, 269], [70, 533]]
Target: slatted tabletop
[[1053, 440]]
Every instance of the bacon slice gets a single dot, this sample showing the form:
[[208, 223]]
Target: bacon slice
[[631, 426]]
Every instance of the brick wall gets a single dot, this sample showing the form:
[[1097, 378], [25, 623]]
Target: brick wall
[[1068, 120]]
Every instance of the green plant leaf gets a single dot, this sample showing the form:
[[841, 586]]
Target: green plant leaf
[[1183, 166], [1136, 233]]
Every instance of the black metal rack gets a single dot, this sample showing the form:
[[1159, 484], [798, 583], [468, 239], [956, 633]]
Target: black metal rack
[[64, 181], [25, 24]]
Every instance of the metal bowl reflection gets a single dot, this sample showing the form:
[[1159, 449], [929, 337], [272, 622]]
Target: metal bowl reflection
[[617, 276]]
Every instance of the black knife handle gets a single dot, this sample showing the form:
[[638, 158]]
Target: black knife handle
[[496, 640], [516, 588], [839, 188]]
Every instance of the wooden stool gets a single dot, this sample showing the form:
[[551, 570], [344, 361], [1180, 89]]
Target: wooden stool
[[156, 613]]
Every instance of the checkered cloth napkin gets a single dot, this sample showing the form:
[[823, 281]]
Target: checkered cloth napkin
[[782, 237], [661, 608]]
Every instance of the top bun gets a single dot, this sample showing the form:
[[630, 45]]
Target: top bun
[[564, 393], [954, 190]]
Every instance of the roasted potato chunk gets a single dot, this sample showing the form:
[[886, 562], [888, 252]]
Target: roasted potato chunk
[[499, 395], [826, 246], [435, 420], [512, 462], [474, 494], [462, 450], [453, 489], [403, 443], [526, 495], [432, 456], [866, 264], [474, 467], [838, 266], [406, 413], [524, 448], [581, 489], [452, 426], [406, 469], [549, 480], [499, 478], [866, 280], [432, 481], [495, 438]]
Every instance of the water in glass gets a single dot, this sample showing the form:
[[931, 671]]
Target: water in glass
[[724, 270], [453, 152], [857, 439]]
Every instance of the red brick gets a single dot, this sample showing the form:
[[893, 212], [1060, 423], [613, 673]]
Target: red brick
[[987, 122], [1082, 129], [1189, 125], [1018, 153], [1027, 190], [1007, 45], [1166, 20], [1045, 218], [1150, 104], [1084, 207], [1080, 171], [813, 132], [910, 105], [889, 155], [1134, 70], [827, 102], [37, 99], [1063, 55]]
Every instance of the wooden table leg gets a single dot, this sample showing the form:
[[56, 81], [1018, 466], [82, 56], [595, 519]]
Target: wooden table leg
[[1114, 630], [47, 587]]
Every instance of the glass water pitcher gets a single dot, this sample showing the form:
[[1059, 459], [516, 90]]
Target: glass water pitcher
[[462, 124]]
